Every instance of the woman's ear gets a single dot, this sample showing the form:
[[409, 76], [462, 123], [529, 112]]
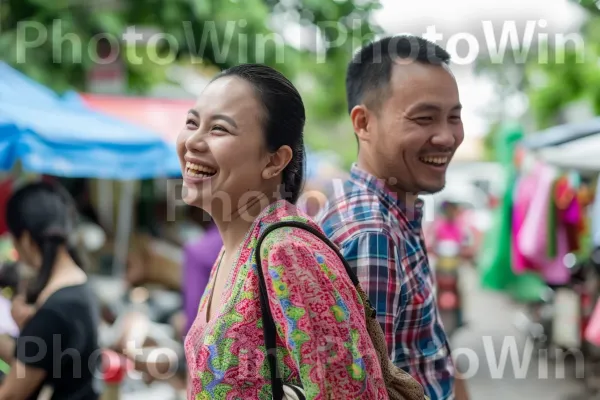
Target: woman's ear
[[277, 162]]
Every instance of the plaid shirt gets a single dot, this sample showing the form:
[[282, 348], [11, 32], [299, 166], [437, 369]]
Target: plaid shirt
[[382, 239]]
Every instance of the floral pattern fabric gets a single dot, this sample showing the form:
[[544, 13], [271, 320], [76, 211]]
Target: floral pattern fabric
[[323, 344]]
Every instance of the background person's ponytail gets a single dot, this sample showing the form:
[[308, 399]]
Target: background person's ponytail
[[49, 250], [47, 213]]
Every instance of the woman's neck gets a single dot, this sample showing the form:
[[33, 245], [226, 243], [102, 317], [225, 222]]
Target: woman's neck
[[234, 228], [65, 268], [64, 273]]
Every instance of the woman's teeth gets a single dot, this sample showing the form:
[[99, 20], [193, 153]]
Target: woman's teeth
[[437, 161], [199, 171]]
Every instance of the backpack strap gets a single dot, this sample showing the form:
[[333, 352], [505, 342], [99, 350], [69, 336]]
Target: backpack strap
[[270, 332]]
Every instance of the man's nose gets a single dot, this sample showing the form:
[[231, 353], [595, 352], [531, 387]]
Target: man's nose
[[444, 137]]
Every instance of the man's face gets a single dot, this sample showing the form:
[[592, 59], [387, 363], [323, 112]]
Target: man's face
[[418, 128]]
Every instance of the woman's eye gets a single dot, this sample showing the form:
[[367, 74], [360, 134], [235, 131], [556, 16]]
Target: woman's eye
[[218, 128], [191, 124]]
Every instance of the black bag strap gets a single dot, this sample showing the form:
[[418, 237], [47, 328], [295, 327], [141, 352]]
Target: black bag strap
[[270, 332]]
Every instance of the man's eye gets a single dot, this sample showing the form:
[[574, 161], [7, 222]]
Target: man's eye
[[423, 119]]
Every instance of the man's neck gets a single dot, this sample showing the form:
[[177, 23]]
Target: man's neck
[[390, 182]]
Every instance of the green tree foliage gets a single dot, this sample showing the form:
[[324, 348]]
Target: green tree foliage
[[566, 73], [217, 33], [37, 38], [572, 74]]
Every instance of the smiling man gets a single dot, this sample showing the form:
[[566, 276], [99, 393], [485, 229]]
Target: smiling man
[[405, 109]]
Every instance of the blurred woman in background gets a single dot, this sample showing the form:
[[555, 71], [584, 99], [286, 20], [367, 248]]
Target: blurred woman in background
[[57, 315]]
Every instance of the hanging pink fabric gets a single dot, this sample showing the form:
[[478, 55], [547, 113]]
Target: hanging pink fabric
[[572, 215], [532, 239], [554, 271], [524, 192], [592, 332]]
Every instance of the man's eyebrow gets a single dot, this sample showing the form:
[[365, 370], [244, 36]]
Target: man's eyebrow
[[425, 107], [432, 107]]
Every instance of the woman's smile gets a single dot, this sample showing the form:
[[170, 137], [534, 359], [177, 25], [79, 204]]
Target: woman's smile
[[196, 173]]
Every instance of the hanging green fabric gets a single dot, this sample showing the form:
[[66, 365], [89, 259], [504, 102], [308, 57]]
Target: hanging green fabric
[[495, 259], [4, 367], [495, 262], [552, 223]]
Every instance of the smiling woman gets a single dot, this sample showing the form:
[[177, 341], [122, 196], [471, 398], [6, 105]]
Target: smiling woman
[[242, 155]]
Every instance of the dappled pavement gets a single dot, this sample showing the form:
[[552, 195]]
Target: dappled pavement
[[527, 373]]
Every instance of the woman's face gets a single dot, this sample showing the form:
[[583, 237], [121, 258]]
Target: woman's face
[[222, 148]]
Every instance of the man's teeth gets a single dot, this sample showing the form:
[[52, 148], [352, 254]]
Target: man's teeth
[[435, 160], [197, 170]]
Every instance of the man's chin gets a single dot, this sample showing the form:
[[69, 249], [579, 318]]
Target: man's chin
[[425, 189]]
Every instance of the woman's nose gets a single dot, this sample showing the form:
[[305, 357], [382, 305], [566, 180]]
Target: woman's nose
[[196, 141]]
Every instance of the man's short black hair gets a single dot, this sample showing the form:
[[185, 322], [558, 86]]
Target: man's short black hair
[[369, 72]]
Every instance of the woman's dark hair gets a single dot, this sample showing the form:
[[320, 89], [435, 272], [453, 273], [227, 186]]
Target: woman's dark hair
[[9, 276], [284, 118], [47, 212]]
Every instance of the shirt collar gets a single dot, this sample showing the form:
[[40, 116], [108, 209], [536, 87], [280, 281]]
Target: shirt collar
[[378, 186]]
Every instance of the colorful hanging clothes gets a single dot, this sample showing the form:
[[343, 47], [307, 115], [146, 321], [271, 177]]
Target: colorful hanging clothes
[[532, 238], [573, 219], [554, 271], [495, 258], [595, 233], [552, 224], [524, 191], [543, 237]]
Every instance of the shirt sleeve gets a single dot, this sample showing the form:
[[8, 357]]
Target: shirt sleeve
[[42, 341], [320, 316], [373, 256]]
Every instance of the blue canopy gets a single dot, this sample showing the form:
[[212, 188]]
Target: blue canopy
[[60, 137], [17, 87]]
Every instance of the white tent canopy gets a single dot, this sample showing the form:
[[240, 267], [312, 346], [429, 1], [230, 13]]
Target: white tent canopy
[[582, 154]]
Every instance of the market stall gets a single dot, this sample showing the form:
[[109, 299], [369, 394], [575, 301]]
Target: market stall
[[556, 229], [42, 133]]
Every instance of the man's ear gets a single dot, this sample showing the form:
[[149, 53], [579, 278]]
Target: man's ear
[[277, 162], [360, 122]]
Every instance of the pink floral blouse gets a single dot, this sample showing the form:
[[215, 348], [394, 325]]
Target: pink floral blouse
[[322, 339]]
